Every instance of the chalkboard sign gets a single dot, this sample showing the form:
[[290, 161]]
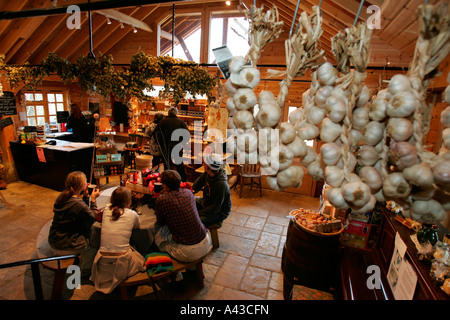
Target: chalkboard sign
[[61, 116], [8, 104], [5, 122]]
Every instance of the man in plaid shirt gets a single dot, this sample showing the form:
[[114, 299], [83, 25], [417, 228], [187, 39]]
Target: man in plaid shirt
[[180, 231]]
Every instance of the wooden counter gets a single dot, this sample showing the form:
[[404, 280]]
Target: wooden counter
[[354, 264], [60, 160]]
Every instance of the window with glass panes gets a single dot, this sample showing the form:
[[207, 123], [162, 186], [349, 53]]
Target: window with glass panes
[[42, 107]]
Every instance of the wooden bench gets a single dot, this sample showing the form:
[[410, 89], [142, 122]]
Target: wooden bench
[[143, 278], [214, 234], [59, 267]]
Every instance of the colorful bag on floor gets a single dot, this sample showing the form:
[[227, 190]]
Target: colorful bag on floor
[[158, 262]]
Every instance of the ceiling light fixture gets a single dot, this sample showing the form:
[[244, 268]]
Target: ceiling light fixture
[[228, 3], [134, 29], [121, 25], [108, 21]]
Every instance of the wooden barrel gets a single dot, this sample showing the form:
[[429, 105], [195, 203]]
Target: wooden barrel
[[310, 260]]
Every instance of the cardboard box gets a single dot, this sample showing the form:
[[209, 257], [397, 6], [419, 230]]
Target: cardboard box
[[356, 234]]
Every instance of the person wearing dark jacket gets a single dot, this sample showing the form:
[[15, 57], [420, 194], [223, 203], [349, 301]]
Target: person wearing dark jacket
[[79, 125], [163, 133], [73, 217], [215, 205]]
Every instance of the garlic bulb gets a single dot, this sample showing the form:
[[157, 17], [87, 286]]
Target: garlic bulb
[[334, 176], [367, 207], [230, 88], [247, 142], [327, 74], [445, 117], [248, 77], [367, 155], [285, 157], [331, 153], [267, 139], [329, 131], [316, 115], [398, 83], [373, 132], [379, 196], [231, 107], [400, 129], [446, 137], [364, 97], [356, 194], [356, 137], [336, 108], [446, 95], [272, 182], [402, 105], [384, 94], [395, 186], [244, 99], [236, 63], [441, 174], [336, 199], [243, 119], [419, 175], [266, 97], [316, 170], [423, 193], [287, 132], [307, 131], [371, 177], [269, 115], [231, 144], [403, 154], [377, 109], [298, 147], [231, 124], [311, 155], [296, 116], [429, 211], [291, 177], [322, 94], [360, 118]]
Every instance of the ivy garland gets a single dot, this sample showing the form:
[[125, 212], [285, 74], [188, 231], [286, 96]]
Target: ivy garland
[[100, 75]]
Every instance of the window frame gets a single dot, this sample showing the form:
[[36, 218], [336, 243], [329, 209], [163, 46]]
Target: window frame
[[45, 102]]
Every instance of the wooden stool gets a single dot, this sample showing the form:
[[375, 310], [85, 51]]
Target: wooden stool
[[214, 234], [59, 267], [178, 266]]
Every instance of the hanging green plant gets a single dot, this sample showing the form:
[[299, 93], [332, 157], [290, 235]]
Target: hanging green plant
[[100, 75]]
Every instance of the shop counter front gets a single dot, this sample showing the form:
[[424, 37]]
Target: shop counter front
[[48, 165]]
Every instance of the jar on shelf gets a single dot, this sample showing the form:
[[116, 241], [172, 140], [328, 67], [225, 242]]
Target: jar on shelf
[[428, 233]]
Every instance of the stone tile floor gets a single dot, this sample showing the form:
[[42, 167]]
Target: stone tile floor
[[246, 266]]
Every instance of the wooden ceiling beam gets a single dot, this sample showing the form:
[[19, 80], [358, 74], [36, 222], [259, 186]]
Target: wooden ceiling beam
[[122, 17], [61, 37], [37, 38], [107, 31], [10, 6], [80, 37], [146, 14]]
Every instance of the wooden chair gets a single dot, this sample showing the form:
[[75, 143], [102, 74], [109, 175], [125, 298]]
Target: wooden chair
[[252, 172], [142, 277], [131, 152]]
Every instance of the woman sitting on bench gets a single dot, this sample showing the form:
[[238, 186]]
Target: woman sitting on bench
[[116, 260]]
